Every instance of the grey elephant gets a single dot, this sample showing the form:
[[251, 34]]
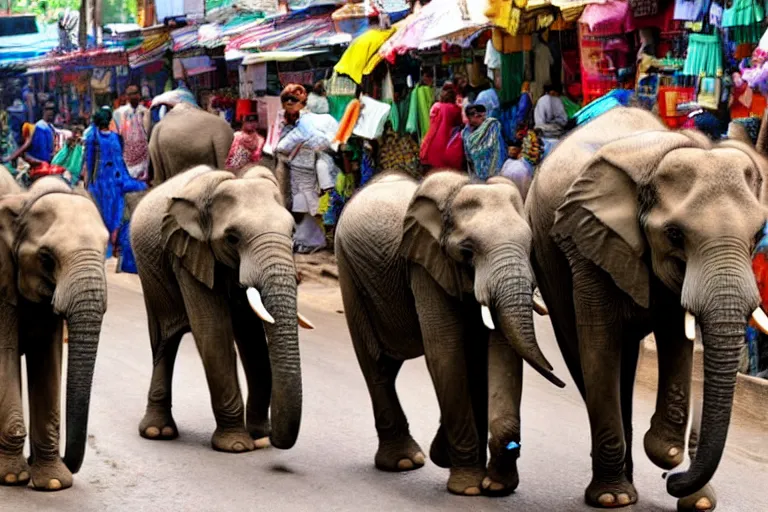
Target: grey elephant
[[214, 255], [52, 251], [429, 270], [639, 230], [186, 137]]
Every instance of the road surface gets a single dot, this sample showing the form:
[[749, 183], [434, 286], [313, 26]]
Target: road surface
[[331, 466]]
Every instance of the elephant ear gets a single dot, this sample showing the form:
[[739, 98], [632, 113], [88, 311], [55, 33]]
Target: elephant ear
[[10, 207], [425, 231], [187, 225], [599, 218]]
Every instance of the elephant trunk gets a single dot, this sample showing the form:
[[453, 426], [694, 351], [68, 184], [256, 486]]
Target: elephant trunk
[[721, 293], [81, 298], [511, 298], [275, 278]]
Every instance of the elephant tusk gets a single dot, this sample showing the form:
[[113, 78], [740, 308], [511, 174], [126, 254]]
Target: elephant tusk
[[487, 319], [760, 319], [304, 322], [538, 304], [690, 326], [254, 299]]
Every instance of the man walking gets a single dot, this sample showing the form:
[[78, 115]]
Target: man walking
[[132, 122]]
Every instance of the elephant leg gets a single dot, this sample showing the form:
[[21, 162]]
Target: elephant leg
[[210, 319], [13, 466], [601, 334], [442, 328], [254, 354], [505, 386], [665, 440], [158, 423], [44, 385]]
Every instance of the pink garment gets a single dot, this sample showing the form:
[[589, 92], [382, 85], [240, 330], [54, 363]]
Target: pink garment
[[612, 17], [443, 119]]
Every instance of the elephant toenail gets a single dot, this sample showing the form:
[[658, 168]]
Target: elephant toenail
[[23, 476], [405, 464], [487, 483], [261, 443], [152, 432], [472, 491], [238, 447], [606, 499], [495, 486], [54, 484], [10, 478], [703, 504], [419, 458], [673, 452], [167, 431], [624, 499]]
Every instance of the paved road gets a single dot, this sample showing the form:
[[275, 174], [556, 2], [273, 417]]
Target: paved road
[[331, 466]]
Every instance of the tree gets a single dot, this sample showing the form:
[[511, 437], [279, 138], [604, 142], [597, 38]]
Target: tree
[[47, 11]]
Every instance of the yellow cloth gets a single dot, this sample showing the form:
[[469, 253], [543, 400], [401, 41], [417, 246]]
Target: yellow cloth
[[506, 14], [362, 56], [505, 43]]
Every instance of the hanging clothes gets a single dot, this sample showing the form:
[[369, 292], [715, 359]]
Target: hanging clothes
[[705, 55], [362, 55], [512, 74], [422, 98], [543, 62]]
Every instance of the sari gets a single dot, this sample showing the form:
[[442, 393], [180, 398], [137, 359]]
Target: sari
[[485, 149], [444, 118], [246, 149]]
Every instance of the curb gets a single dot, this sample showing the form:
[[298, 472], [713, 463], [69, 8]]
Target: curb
[[750, 396]]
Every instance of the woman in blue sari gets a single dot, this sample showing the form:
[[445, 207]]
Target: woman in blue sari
[[108, 181]]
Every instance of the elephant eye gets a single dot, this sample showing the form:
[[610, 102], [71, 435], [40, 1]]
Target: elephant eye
[[47, 261], [232, 239], [466, 250], [675, 235]]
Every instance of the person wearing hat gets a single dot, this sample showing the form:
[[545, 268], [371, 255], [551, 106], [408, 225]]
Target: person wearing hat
[[246, 146], [484, 145], [38, 146]]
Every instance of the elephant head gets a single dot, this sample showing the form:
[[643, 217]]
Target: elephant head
[[58, 243], [676, 209], [472, 239], [241, 224]]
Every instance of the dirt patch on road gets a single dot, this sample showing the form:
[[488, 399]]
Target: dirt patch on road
[[319, 267]]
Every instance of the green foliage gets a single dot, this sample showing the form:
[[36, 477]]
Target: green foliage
[[47, 11]]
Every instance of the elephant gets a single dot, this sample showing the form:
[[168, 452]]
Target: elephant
[[637, 230], [208, 247], [52, 250], [429, 269], [186, 137]]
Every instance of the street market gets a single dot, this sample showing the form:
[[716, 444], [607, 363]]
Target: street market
[[212, 150]]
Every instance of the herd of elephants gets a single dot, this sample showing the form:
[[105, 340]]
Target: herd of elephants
[[628, 229]]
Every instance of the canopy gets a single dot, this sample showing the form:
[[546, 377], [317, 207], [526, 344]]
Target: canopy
[[277, 56]]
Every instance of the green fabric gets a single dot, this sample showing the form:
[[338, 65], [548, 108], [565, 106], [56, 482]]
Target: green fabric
[[71, 159], [570, 107], [337, 105], [512, 70], [746, 35], [394, 115], [403, 110], [704, 55], [743, 13], [418, 112]]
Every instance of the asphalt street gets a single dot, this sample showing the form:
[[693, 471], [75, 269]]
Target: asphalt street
[[331, 466]]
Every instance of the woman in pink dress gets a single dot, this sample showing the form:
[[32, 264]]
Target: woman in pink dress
[[442, 147], [246, 146]]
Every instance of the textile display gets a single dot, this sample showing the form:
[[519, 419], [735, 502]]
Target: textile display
[[362, 55], [512, 70], [337, 105], [704, 55], [422, 98], [743, 13], [612, 17], [399, 153], [373, 116], [348, 122], [690, 10]]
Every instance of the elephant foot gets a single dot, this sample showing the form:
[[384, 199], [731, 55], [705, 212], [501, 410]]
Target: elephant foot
[[704, 500], [438, 452], [399, 455], [610, 494], [232, 441], [502, 478], [258, 429], [664, 446], [466, 481], [158, 425], [14, 470], [50, 475]]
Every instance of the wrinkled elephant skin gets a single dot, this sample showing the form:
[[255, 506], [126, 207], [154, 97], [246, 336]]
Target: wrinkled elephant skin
[[633, 226]]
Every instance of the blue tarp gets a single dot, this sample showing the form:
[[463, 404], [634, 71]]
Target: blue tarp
[[28, 46]]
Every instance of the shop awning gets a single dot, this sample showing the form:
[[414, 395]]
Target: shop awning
[[277, 56]]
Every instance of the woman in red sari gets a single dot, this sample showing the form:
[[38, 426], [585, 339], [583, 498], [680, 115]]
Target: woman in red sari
[[442, 147], [247, 145]]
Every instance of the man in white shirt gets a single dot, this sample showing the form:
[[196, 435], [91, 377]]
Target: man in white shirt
[[132, 122], [550, 116]]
